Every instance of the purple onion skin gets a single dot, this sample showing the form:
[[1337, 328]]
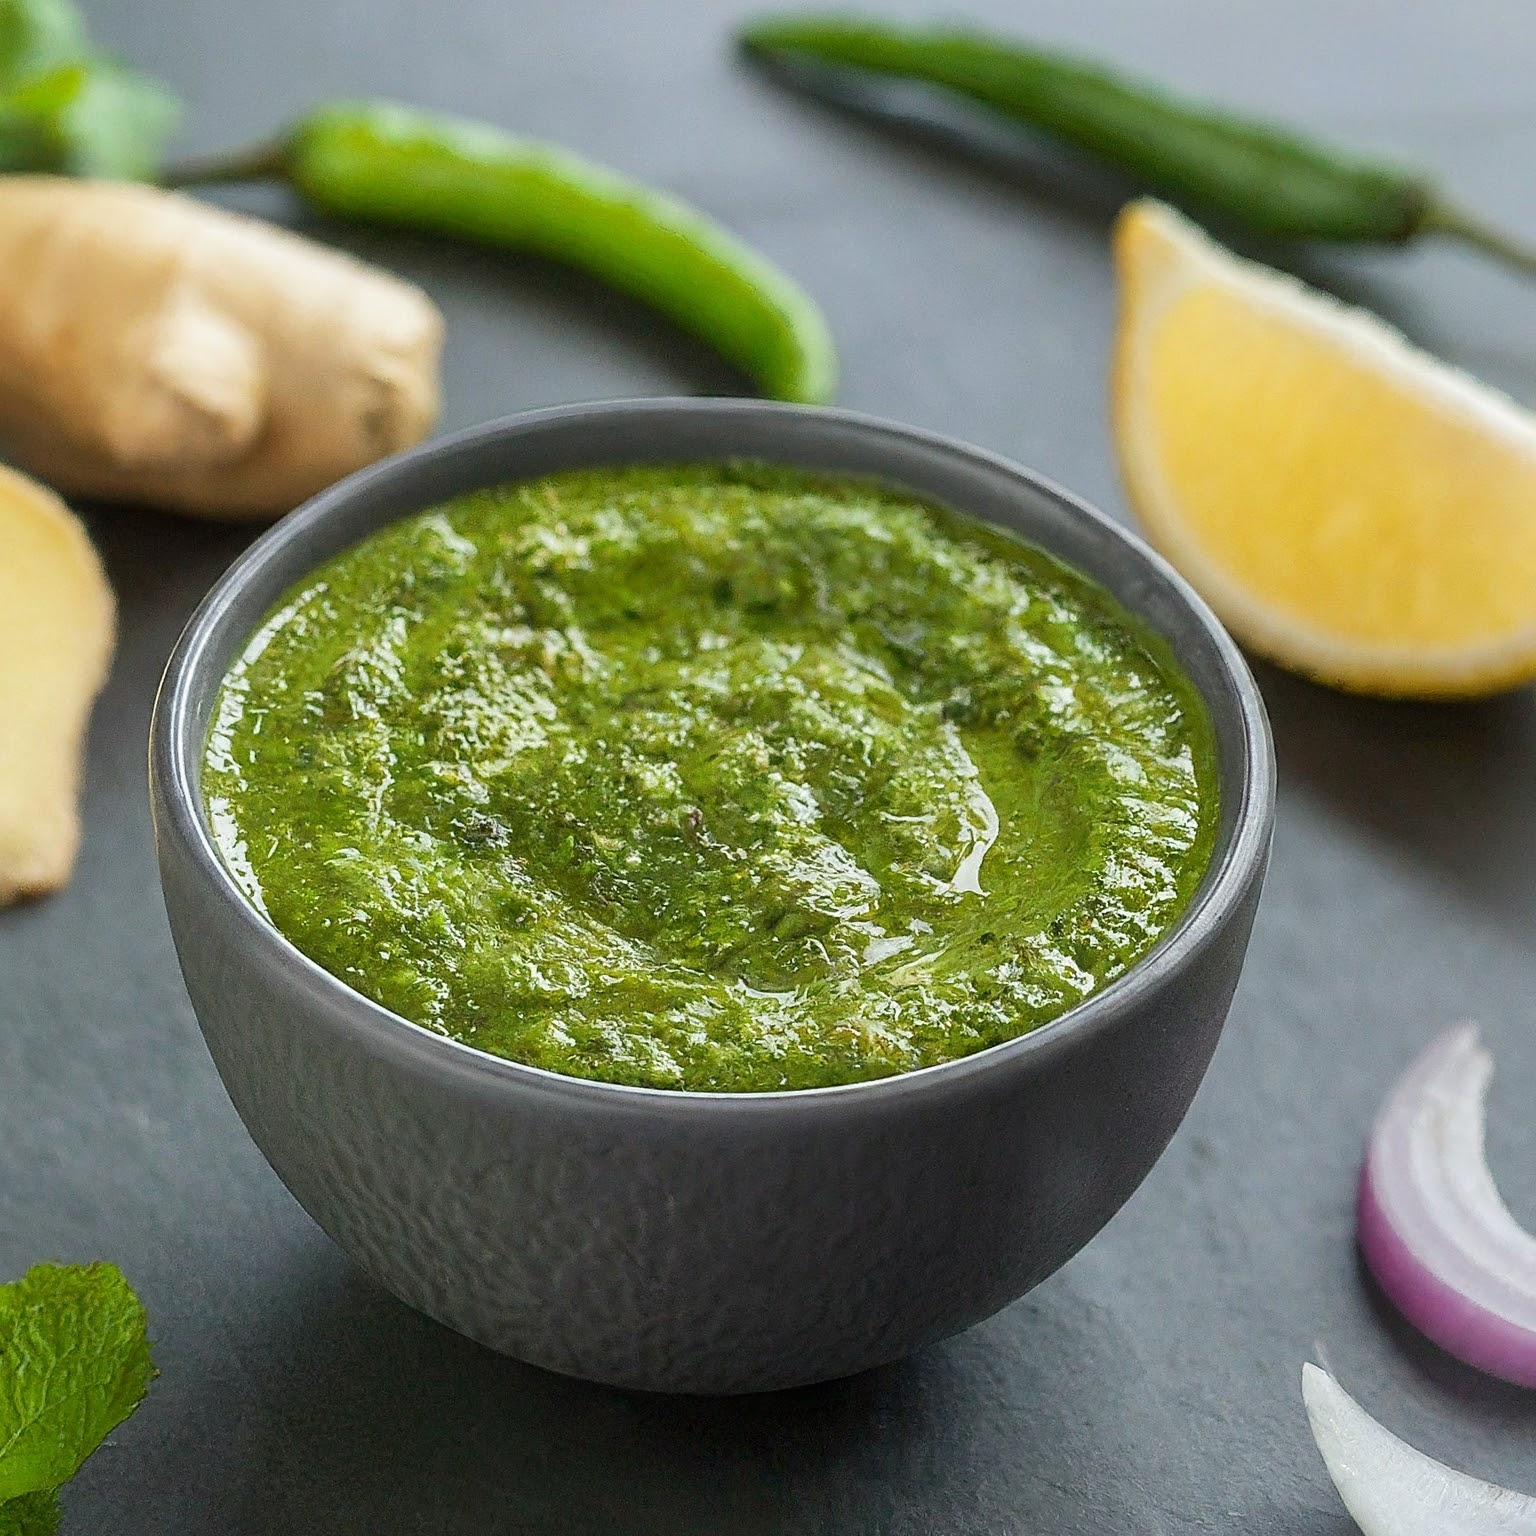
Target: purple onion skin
[[1441, 1313]]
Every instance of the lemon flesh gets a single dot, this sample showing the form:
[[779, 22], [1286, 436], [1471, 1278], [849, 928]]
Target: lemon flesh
[[1352, 508]]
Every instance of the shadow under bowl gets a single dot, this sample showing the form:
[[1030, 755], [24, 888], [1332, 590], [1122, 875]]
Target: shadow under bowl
[[702, 1242]]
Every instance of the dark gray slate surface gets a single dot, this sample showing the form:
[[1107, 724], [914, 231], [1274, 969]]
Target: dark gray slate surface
[[1152, 1385]]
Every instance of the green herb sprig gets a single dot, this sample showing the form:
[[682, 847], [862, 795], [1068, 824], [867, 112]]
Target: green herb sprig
[[66, 108], [74, 1363]]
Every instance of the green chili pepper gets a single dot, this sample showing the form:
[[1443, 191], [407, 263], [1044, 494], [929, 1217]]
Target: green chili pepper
[[390, 164], [1275, 181]]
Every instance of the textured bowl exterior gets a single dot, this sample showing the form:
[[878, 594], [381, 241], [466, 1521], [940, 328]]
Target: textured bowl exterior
[[702, 1242]]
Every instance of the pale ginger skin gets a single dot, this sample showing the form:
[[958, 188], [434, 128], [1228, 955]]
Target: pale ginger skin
[[158, 350], [57, 627]]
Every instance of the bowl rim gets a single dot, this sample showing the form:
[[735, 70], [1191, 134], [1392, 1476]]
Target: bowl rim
[[175, 748]]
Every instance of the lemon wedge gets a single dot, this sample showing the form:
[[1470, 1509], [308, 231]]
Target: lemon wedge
[[1352, 508]]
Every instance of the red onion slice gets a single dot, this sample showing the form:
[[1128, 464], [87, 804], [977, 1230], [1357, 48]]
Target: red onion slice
[[1393, 1490], [1432, 1227]]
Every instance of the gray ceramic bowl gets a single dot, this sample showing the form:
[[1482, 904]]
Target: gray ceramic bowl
[[703, 1242]]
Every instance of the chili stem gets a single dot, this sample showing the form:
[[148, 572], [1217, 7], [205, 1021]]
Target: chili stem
[[263, 163], [1450, 220]]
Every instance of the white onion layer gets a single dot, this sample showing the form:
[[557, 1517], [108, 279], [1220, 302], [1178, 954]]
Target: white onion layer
[[1432, 1228], [1389, 1488]]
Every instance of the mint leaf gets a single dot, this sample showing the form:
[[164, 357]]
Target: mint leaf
[[33, 1514], [74, 1363], [65, 109]]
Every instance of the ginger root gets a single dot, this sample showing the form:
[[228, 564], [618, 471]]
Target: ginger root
[[57, 621], [157, 350]]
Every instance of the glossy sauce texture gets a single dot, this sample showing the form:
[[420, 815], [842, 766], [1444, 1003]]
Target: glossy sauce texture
[[711, 777]]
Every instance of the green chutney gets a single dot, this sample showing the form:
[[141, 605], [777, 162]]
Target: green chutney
[[711, 777]]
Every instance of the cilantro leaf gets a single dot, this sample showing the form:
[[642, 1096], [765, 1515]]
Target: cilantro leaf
[[74, 1363], [91, 119], [33, 1514], [64, 108], [35, 35]]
